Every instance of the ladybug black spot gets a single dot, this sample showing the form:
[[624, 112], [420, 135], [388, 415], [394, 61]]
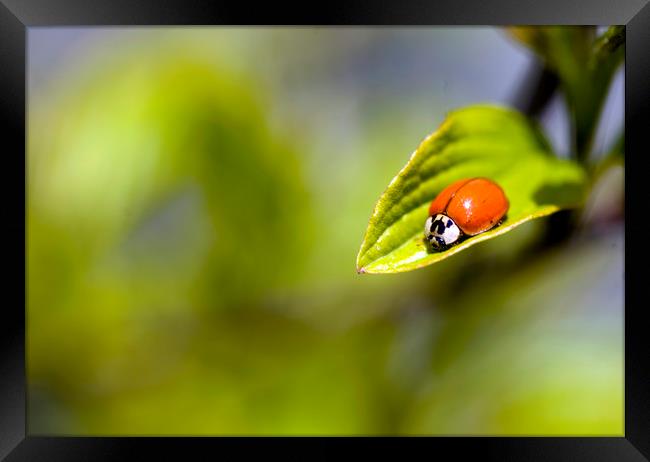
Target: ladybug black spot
[[439, 226]]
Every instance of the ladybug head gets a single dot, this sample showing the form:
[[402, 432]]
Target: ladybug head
[[441, 231]]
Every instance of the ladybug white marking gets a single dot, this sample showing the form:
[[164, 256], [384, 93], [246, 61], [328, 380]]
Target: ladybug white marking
[[441, 231]]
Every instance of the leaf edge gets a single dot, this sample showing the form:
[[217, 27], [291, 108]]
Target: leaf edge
[[546, 211]]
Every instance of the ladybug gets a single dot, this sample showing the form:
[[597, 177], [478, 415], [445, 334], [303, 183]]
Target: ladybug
[[464, 208]]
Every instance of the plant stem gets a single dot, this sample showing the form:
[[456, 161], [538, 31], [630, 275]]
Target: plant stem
[[532, 99], [537, 90]]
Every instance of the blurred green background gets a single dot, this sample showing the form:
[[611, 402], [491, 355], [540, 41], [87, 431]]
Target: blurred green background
[[196, 201]]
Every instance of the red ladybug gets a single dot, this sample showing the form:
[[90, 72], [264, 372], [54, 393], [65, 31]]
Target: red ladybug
[[465, 207]]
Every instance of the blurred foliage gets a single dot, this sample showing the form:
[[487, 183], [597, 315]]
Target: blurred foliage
[[610, 45], [192, 209], [475, 141], [154, 179], [522, 358], [585, 64]]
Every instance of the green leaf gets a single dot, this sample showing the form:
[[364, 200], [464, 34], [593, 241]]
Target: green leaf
[[609, 45], [487, 141]]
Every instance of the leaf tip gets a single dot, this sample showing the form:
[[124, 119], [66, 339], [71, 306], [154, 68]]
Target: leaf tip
[[361, 270]]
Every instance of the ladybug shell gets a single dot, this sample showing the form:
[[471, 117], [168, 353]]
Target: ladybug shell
[[475, 204]]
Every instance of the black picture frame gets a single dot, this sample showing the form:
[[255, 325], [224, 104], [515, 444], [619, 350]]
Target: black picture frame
[[16, 16]]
